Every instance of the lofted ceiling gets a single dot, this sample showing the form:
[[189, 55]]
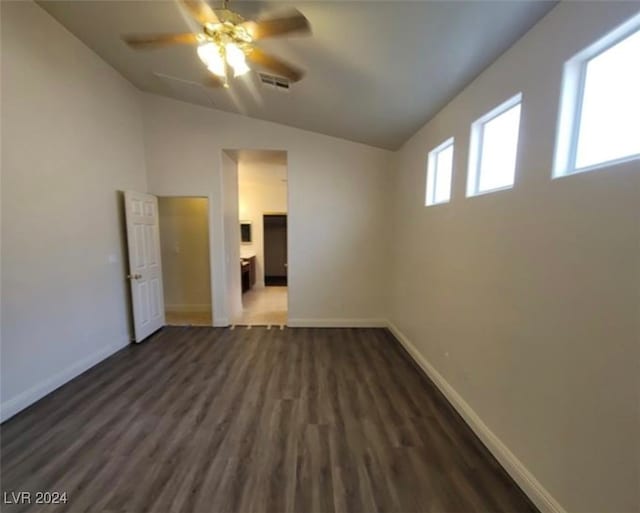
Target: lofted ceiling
[[376, 70]]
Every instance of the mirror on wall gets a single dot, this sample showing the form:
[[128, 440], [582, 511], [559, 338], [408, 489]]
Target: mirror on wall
[[245, 232]]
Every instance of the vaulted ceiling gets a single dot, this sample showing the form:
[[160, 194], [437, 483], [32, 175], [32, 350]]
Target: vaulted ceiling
[[376, 70]]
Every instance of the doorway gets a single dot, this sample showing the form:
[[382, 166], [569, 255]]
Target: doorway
[[275, 250], [262, 191], [184, 247]]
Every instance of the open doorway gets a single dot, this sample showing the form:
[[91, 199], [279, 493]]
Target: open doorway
[[184, 246], [274, 229], [262, 222]]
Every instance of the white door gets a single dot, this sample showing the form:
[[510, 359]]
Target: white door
[[145, 267]]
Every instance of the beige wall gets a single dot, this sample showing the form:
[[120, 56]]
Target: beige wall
[[184, 240], [527, 301], [71, 139], [261, 190], [231, 228], [337, 260]]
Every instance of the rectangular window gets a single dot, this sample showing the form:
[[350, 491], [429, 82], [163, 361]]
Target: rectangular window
[[600, 106], [440, 173], [494, 148]]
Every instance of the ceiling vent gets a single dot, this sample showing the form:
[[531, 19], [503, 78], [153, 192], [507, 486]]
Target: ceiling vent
[[278, 83]]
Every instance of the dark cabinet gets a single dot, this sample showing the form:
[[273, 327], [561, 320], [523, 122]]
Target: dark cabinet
[[248, 273]]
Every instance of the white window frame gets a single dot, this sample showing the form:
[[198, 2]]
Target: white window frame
[[572, 92], [432, 171], [475, 147]]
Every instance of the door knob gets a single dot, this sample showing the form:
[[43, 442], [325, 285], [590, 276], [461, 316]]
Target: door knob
[[134, 276]]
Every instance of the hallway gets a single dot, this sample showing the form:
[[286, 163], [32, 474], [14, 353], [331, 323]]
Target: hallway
[[264, 306]]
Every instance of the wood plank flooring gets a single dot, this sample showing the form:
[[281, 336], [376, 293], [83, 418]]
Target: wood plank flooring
[[253, 420]]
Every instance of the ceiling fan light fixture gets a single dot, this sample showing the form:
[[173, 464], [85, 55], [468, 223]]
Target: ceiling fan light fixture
[[226, 39], [236, 59], [218, 69], [211, 27], [210, 54]]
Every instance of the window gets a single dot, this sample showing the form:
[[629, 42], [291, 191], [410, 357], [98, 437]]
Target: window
[[493, 149], [440, 173], [600, 105]]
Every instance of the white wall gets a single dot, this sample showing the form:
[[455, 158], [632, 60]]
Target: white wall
[[233, 285], [184, 241], [527, 301], [261, 190], [72, 138], [337, 204]]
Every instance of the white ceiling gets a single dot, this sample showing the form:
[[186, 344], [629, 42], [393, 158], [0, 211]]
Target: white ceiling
[[376, 71]]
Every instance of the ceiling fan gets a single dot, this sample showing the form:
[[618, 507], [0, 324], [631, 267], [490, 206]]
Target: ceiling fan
[[228, 40]]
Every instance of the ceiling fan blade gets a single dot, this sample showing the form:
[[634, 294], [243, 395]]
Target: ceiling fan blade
[[160, 40], [201, 11], [294, 21], [277, 66]]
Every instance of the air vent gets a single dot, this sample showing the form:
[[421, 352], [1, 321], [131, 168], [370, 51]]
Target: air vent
[[279, 83]]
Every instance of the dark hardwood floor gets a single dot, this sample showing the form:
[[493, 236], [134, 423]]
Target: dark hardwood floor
[[218, 420]]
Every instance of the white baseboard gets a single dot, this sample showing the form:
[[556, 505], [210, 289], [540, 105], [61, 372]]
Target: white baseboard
[[337, 323], [183, 308], [222, 322], [18, 403], [514, 467]]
